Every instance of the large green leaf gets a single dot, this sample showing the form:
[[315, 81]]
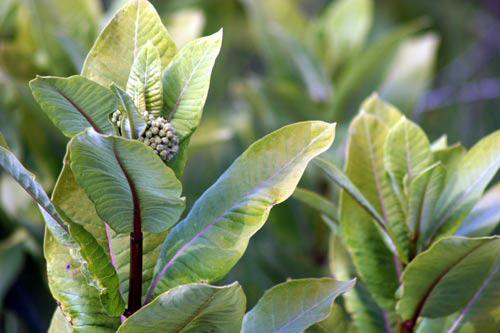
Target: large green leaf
[[191, 308], [111, 58], [406, 154], [186, 81], [295, 305], [144, 83], [75, 103], [142, 188], [212, 238], [484, 216], [345, 24], [376, 264], [72, 199], [466, 185], [78, 300], [455, 274]]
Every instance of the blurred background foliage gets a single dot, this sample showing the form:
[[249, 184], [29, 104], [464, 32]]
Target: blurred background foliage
[[282, 61]]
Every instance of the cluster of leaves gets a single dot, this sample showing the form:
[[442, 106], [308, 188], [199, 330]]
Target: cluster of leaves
[[406, 216], [113, 185]]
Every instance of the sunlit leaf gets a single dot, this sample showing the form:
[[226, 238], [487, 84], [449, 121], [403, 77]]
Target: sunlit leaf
[[75, 103], [191, 308], [150, 198], [295, 305], [214, 235], [111, 58], [186, 81]]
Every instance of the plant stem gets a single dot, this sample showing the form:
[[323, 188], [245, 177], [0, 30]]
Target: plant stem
[[135, 281]]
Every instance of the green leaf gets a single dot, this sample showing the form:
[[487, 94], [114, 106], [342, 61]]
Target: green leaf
[[440, 143], [423, 193], [78, 300], [191, 308], [317, 202], [466, 185], [144, 83], [186, 81], [96, 267], [75, 103], [214, 235], [134, 122], [295, 305], [484, 216], [112, 56], [406, 81], [143, 187], [71, 198], [406, 154], [59, 324], [375, 262], [455, 274], [345, 24]]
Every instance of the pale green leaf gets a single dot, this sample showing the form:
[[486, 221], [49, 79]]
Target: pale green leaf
[[364, 167], [144, 83], [455, 274], [191, 308], [59, 323], [317, 202], [79, 301], [406, 154], [466, 184], [186, 81], [484, 216], [134, 122], [423, 193], [214, 235], [142, 186], [71, 198], [111, 58], [345, 25], [295, 305], [406, 81], [75, 103]]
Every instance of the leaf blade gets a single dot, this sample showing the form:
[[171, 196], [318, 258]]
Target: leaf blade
[[214, 235]]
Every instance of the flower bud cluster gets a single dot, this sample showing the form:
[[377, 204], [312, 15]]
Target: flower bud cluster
[[160, 135], [116, 118]]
